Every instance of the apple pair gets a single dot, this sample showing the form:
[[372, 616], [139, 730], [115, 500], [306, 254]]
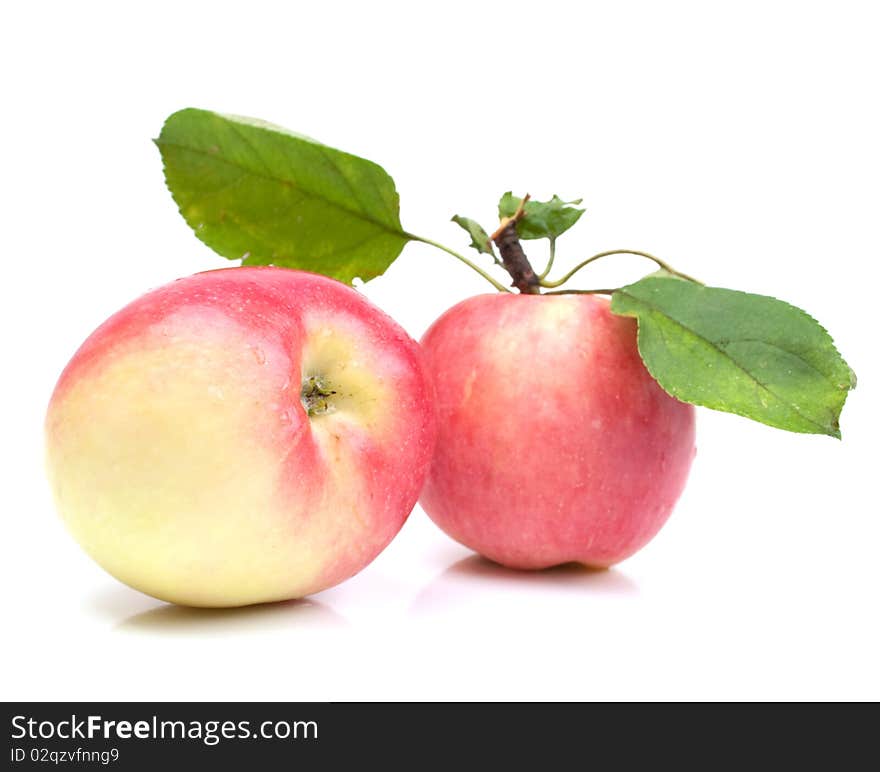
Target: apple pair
[[255, 434]]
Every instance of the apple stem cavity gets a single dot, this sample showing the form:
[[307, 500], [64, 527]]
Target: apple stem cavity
[[315, 396]]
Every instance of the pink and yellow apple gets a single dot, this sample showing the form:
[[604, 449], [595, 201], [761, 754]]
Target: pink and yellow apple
[[554, 443], [240, 436]]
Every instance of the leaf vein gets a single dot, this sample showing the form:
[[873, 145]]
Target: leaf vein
[[281, 181], [797, 356], [728, 356]]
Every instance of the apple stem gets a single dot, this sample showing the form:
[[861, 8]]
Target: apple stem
[[513, 256], [515, 262]]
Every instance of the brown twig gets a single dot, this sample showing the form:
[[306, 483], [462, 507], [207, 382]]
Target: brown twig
[[513, 257]]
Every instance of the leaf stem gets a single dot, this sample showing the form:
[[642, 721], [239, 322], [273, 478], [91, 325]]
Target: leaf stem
[[543, 274], [582, 292], [497, 284], [661, 263]]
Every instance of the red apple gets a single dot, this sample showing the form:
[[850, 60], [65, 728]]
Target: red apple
[[554, 443], [239, 436]]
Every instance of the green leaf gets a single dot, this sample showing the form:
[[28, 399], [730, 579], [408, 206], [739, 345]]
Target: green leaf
[[262, 194], [479, 238], [752, 355], [541, 219]]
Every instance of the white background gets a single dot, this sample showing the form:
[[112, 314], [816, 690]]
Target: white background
[[738, 140]]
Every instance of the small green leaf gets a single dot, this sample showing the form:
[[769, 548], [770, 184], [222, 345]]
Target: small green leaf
[[541, 219], [479, 238], [752, 355], [262, 194]]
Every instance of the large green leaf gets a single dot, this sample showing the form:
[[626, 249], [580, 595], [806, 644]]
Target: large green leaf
[[541, 219], [262, 194], [747, 354]]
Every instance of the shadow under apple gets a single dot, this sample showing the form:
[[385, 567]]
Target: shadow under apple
[[133, 612], [170, 619], [461, 580]]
